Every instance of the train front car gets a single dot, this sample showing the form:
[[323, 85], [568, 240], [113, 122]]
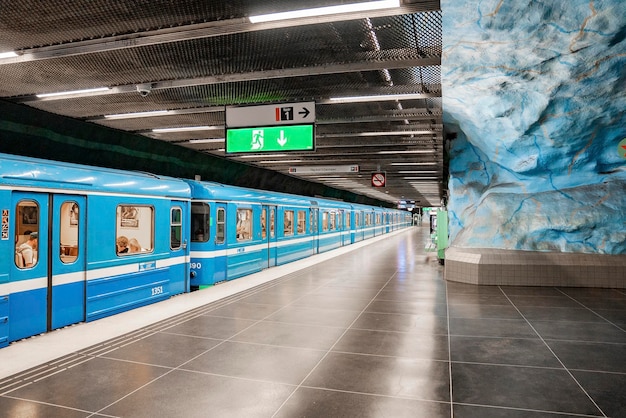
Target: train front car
[[86, 242]]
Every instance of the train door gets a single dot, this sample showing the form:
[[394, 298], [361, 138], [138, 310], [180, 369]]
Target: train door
[[315, 229], [361, 225], [219, 272], [179, 251], [68, 260], [28, 302], [268, 233], [343, 226], [49, 266]]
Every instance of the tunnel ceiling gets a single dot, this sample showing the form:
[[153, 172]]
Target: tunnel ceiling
[[193, 60]]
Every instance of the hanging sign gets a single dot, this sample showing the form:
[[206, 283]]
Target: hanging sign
[[271, 115], [270, 139], [379, 179]]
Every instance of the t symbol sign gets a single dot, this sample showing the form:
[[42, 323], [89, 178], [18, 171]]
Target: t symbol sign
[[286, 113]]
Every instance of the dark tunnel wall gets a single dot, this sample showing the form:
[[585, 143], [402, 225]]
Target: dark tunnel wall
[[34, 133]]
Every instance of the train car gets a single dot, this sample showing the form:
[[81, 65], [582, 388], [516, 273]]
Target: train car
[[332, 227], [238, 231], [366, 222], [86, 242]]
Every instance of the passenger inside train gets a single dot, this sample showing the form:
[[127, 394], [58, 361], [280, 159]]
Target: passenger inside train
[[122, 245], [133, 246], [27, 251]]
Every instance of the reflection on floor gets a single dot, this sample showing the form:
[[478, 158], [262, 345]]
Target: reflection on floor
[[375, 332]]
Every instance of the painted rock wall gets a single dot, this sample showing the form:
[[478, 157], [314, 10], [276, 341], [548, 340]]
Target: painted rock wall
[[536, 92]]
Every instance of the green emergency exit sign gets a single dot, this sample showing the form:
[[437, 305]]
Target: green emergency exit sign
[[270, 139]]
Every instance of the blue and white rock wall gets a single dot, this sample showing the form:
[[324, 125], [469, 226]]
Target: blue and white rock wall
[[536, 91]]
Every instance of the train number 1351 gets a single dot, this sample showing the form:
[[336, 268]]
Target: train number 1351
[[157, 290]]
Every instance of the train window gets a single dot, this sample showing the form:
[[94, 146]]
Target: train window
[[288, 229], [220, 227], [263, 223], [176, 228], [134, 230], [301, 222], [27, 237], [357, 219], [339, 216], [68, 232], [332, 221], [272, 223], [310, 221], [347, 220], [244, 224], [324, 221]]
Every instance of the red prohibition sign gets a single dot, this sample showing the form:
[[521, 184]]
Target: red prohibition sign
[[378, 179]]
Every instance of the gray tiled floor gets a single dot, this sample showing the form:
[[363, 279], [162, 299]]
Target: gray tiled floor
[[376, 332]]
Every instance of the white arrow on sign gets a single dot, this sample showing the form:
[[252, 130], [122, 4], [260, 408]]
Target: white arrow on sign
[[282, 140]]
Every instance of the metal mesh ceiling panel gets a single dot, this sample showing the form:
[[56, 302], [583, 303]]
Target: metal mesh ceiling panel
[[197, 57]]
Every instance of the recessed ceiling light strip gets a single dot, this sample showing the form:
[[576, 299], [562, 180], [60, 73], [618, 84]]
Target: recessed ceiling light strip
[[323, 11]]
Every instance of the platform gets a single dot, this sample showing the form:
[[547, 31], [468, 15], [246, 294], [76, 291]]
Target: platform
[[371, 330]]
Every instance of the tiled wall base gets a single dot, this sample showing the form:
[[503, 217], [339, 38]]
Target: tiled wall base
[[488, 266]]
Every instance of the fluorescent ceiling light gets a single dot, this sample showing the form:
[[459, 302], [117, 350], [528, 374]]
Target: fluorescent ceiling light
[[186, 129], [421, 151], [137, 114], [9, 54], [382, 133], [413, 163], [329, 10], [382, 97], [205, 141], [264, 155], [420, 178], [279, 162], [71, 92], [417, 172]]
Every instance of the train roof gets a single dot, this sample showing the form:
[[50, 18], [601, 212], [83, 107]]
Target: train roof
[[220, 192], [34, 173]]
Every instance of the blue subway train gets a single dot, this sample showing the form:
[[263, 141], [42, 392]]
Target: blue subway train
[[81, 243]]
